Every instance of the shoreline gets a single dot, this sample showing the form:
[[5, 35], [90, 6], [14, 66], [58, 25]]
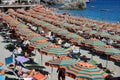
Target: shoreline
[[90, 17]]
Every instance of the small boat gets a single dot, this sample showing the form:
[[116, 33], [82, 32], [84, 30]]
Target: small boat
[[104, 9]]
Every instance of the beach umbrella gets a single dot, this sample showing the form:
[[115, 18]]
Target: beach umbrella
[[21, 25], [115, 57], [41, 45], [94, 42], [96, 28], [13, 23], [55, 51], [92, 32], [115, 37], [103, 34], [61, 62], [92, 62], [108, 51], [85, 29], [78, 71], [71, 36], [77, 41], [34, 39], [64, 32]]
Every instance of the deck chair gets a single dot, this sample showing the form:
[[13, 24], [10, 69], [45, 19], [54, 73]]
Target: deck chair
[[8, 61]]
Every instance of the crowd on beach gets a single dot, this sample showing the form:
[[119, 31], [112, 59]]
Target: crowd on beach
[[41, 25]]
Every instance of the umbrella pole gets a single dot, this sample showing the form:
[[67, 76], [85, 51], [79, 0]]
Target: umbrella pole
[[107, 62], [41, 59], [53, 57], [52, 70], [91, 57]]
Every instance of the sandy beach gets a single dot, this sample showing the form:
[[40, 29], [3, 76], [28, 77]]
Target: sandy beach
[[53, 73], [24, 30]]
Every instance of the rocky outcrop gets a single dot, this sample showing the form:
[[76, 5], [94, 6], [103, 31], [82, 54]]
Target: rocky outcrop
[[74, 5]]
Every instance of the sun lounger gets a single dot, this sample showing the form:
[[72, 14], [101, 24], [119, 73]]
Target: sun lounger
[[9, 61]]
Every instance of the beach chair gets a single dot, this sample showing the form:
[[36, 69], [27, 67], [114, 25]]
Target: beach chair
[[9, 61], [28, 65]]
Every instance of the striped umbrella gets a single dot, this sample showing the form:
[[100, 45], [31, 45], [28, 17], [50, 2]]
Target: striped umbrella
[[41, 45], [34, 39], [61, 62], [116, 37], [95, 42], [115, 57], [92, 32], [71, 36], [103, 34], [55, 51], [76, 71], [108, 51]]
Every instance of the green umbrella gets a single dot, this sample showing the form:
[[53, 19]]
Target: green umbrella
[[92, 62], [13, 23], [92, 32], [94, 43], [88, 73], [21, 25], [42, 45], [55, 51], [63, 62], [108, 51], [85, 28], [116, 37], [103, 34], [34, 39], [78, 41], [71, 36]]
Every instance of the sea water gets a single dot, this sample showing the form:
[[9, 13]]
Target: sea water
[[102, 10]]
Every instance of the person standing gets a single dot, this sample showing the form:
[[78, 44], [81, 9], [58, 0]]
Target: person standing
[[61, 73]]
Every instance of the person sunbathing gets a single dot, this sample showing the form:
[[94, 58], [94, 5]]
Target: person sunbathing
[[23, 72]]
